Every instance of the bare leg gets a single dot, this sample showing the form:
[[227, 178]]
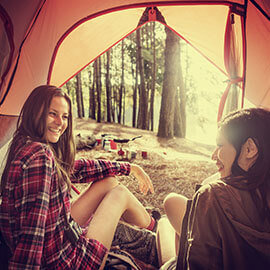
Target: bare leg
[[87, 203], [175, 208], [165, 241], [136, 214], [106, 217]]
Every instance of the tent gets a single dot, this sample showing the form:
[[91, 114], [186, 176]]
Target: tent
[[49, 41]]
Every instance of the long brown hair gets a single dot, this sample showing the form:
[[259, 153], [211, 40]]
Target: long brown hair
[[32, 124]]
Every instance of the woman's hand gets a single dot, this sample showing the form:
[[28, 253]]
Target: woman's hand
[[145, 183]]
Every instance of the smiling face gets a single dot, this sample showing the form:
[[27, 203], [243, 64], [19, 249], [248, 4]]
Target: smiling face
[[224, 155], [57, 119]]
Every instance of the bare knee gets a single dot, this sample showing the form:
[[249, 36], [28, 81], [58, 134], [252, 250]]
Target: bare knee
[[175, 208], [169, 197], [119, 194], [173, 200], [87, 202]]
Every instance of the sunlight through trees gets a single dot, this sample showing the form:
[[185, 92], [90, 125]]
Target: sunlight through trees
[[128, 84]]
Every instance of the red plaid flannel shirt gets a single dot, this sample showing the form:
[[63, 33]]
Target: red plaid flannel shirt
[[32, 216]]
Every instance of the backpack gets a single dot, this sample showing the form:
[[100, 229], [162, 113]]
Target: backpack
[[5, 253]]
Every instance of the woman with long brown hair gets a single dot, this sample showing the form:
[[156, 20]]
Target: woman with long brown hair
[[35, 190]]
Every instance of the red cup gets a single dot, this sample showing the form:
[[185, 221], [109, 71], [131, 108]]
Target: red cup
[[113, 145], [144, 154]]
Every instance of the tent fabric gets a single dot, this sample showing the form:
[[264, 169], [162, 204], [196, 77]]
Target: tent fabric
[[233, 60], [198, 32], [257, 86], [263, 5], [49, 41]]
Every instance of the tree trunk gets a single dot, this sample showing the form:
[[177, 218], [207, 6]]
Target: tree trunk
[[70, 91], [114, 103], [69, 87], [177, 118], [92, 96], [182, 93], [98, 88], [108, 87], [89, 73], [124, 105], [180, 106], [143, 98], [79, 96], [122, 86], [170, 83], [153, 81], [134, 96]]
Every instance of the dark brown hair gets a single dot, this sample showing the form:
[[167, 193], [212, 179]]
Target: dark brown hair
[[237, 128]]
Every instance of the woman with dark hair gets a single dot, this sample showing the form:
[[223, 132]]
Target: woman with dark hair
[[35, 191], [229, 219]]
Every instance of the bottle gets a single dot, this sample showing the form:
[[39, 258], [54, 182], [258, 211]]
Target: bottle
[[107, 145]]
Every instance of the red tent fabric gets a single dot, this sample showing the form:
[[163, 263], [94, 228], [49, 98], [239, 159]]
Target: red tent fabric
[[49, 41]]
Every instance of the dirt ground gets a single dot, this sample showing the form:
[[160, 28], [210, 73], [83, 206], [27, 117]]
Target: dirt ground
[[174, 165]]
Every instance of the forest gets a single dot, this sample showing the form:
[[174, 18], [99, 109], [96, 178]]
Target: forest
[[152, 80]]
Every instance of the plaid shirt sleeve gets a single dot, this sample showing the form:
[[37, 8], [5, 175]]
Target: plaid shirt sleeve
[[93, 170], [32, 195]]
